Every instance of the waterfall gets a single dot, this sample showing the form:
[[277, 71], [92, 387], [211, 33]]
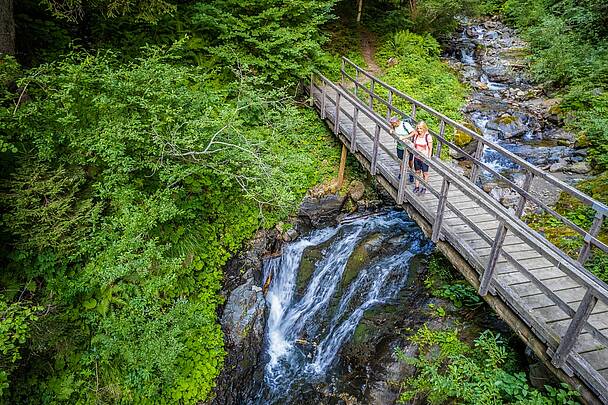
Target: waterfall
[[307, 326]]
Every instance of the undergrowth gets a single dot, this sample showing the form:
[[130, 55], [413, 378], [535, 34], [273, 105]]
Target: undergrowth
[[451, 371]]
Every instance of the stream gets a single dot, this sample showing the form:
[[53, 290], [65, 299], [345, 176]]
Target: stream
[[506, 107], [323, 285]]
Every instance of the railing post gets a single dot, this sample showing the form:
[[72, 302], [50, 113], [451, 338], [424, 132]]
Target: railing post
[[375, 151], [390, 105], [342, 72], [323, 97], [414, 112], [402, 174], [445, 186], [594, 231], [312, 89], [574, 329], [337, 114], [371, 94], [439, 141], [356, 82], [353, 141], [522, 198], [477, 156], [486, 277]]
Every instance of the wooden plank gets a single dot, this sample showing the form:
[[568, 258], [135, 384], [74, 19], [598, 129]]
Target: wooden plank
[[598, 359]]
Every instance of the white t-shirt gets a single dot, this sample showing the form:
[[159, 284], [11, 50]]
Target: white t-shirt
[[401, 132]]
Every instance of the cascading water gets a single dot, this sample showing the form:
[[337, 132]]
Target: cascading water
[[355, 266], [488, 56]]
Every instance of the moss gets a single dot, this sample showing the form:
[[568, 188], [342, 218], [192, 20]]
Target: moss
[[307, 267], [507, 119], [462, 139]]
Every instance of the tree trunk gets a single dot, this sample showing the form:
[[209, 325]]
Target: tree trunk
[[413, 9], [359, 8], [7, 27]]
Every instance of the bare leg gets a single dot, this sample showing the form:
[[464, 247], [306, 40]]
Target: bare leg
[[418, 172]]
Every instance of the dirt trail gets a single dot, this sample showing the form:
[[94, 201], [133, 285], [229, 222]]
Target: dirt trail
[[368, 50]]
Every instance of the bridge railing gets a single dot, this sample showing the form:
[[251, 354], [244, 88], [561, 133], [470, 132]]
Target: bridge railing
[[379, 94], [559, 348]]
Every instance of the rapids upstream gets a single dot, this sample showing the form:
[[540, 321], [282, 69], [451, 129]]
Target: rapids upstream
[[322, 286], [507, 108]]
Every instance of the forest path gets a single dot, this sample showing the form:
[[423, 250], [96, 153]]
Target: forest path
[[368, 50]]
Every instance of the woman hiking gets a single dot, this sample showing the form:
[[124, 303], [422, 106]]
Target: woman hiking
[[423, 143]]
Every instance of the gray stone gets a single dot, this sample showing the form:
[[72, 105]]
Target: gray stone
[[541, 376], [560, 135], [488, 187], [323, 210], [580, 168], [290, 235], [244, 313], [510, 200], [356, 189], [558, 166]]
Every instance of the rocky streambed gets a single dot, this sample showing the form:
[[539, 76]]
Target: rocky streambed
[[508, 109], [315, 311]]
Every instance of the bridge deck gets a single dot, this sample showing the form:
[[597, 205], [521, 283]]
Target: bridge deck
[[524, 277]]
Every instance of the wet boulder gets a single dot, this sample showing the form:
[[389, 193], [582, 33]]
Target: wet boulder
[[508, 125], [579, 168], [317, 211], [558, 166], [244, 314], [559, 134]]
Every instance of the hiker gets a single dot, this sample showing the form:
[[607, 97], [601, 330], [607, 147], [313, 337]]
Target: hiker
[[423, 143], [399, 128]]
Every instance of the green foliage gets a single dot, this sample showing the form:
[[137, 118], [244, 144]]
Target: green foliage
[[131, 186], [443, 281], [16, 319], [582, 215], [435, 17], [460, 294], [276, 39], [569, 43], [420, 73], [450, 370], [74, 10]]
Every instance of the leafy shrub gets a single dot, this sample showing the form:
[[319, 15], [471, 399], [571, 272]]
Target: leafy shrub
[[131, 187], [420, 73], [449, 370]]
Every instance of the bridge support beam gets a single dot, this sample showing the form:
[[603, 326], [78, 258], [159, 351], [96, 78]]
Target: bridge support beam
[[342, 166]]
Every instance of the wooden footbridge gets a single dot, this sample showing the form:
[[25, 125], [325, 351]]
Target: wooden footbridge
[[549, 299]]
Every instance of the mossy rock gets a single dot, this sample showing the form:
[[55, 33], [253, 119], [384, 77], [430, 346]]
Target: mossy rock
[[462, 139], [507, 119], [582, 141]]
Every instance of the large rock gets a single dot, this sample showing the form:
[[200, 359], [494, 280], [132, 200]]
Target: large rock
[[317, 211], [356, 189], [558, 166], [244, 314], [509, 125], [580, 168]]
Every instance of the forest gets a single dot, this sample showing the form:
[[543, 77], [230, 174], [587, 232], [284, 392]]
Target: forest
[[142, 142]]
